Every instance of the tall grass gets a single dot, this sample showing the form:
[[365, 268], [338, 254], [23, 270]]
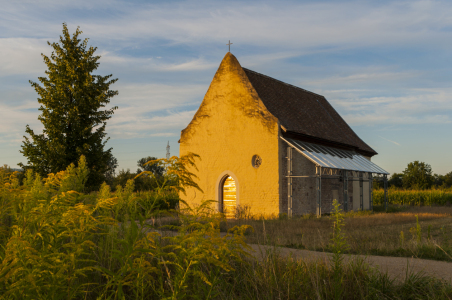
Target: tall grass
[[58, 243], [423, 232], [143, 203], [413, 197], [279, 277]]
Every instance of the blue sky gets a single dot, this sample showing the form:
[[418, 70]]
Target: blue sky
[[385, 66]]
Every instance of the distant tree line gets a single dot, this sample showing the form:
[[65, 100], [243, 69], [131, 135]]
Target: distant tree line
[[416, 176], [142, 183], [146, 182]]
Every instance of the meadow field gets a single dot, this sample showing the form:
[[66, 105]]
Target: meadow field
[[56, 242], [408, 231]]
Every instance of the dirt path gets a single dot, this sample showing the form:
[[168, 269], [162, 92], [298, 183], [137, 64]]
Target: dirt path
[[395, 266]]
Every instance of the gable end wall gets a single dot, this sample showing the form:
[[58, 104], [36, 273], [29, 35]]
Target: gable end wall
[[231, 126]]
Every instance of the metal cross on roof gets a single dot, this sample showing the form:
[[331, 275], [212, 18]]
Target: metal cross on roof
[[229, 45]]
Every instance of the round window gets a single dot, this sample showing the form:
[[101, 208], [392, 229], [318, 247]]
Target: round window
[[256, 161]]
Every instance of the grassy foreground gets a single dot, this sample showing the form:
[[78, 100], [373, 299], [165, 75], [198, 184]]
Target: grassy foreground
[[422, 232], [58, 243]]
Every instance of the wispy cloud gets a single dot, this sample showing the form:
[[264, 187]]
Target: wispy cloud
[[343, 24], [164, 134], [431, 108], [378, 63], [360, 78], [152, 64], [395, 143], [143, 127], [22, 56], [192, 65]]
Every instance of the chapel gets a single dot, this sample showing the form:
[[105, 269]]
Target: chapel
[[274, 149]]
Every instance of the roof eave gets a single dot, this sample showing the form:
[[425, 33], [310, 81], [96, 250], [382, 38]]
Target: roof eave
[[320, 141]]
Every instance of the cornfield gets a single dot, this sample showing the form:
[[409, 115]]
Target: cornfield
[[413, 197]]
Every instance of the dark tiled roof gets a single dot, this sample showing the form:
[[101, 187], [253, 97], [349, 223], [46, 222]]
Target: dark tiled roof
[[305, 113]]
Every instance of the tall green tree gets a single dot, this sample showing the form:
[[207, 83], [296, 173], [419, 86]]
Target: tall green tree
[[396, 180], [417, 175], [73, 112], [448, 180]]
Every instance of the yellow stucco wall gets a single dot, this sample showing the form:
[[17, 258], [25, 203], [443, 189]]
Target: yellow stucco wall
[[231, 125]]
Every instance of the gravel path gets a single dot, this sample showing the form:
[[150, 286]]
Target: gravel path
[[395, 266]]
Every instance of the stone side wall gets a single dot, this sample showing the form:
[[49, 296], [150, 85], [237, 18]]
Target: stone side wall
[[366, 198], [229, 128], [331, 189], [350, 195], [356, 200], [356, 196], [304, 189]]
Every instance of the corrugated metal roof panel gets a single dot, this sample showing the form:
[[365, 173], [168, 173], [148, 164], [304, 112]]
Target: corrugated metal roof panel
[[333, 158]]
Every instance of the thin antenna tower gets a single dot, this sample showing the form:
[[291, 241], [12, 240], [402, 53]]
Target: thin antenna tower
[[167, 151]]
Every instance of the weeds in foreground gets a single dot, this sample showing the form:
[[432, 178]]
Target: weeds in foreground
[[278, 277], [402, 239], [416, 231], [367, 233], [338, 246], [63, 244], [55, 244]]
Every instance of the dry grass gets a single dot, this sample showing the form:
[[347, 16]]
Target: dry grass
[[366, 233], [442, 210]]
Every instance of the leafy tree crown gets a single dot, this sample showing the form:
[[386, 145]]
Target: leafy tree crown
[[73, 112], [417, 175]]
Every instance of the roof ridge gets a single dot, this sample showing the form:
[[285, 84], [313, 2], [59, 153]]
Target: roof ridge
[[294, 114], [283, 82]]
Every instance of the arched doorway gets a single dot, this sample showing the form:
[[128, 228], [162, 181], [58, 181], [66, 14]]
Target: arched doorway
[[229, 193]]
